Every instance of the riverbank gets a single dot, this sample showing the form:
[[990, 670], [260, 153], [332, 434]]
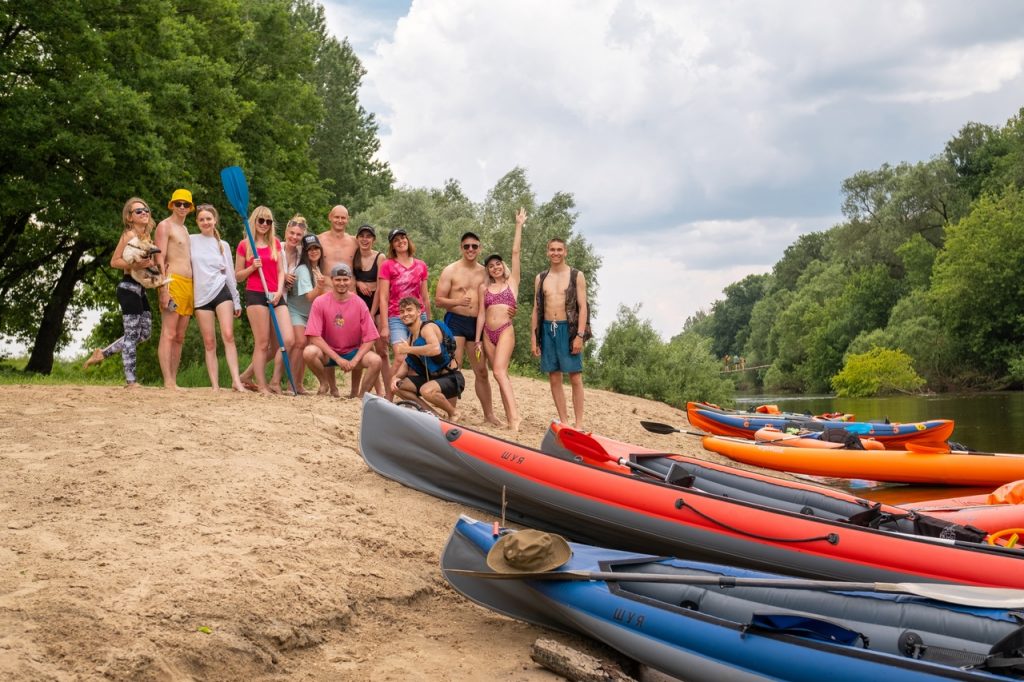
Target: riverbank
[[156, 535]]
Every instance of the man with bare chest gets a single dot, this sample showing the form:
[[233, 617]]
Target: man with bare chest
[[338, 245], [559, 324], [175, 261], [458, 292]]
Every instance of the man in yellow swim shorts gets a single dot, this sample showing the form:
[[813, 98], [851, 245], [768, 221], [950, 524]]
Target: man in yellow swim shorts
[[175, 260]]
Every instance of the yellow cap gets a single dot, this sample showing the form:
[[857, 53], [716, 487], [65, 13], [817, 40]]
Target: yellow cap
[[181, 195]]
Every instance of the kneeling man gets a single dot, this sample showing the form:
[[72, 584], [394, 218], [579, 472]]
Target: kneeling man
[[429, 372], [340, 333]]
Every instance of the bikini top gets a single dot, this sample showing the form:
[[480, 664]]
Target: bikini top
[[503, 297], [366, 275]]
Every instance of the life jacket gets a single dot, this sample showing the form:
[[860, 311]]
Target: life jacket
[[435, 365]]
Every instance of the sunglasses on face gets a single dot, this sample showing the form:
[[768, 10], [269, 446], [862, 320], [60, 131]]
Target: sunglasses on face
[[264, 221], [140, 211], [470, 247], [182, 204]]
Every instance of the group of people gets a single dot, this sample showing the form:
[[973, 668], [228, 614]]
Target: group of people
[[333, 301]]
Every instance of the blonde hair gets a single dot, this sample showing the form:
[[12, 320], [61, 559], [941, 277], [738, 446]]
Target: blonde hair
[[263, 212], [297, 219], [126, 214], [216, 221]]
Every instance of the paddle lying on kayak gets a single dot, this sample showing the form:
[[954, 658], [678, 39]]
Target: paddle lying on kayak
[[965, 595], [659, 428]]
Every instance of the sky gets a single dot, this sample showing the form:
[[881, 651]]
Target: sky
[[699, 139]]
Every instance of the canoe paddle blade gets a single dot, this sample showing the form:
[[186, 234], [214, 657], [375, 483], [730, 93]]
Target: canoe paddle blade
[[658, 427], [236, 189]]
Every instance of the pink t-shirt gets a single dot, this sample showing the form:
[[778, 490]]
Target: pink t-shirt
[[344, 325], [405, 281], [269, 266]]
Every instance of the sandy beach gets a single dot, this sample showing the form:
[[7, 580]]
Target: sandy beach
[[159, 535]]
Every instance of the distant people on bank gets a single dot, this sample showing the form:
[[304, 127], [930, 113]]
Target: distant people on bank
[[341, 334], [458, 292], [494, 332], [176, 296], [310, 283], [401, 276], [216, 294], [268, 257], [365, 270], [339, 246], [429, 374], [136, 319], [559, 327]]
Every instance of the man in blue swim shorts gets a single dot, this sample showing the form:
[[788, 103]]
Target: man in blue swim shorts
[[560, 324]]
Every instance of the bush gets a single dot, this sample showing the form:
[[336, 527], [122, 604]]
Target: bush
[[876, 372]]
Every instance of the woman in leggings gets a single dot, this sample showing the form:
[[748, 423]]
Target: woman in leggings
[[136, 318]]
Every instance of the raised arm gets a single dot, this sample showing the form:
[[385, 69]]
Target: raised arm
[[517, 250]]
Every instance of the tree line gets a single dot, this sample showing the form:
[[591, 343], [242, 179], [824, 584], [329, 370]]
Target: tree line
[[101, 100], [925, 265]]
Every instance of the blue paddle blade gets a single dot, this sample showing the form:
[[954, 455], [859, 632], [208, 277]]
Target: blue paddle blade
[[236, 188], [859, 429]]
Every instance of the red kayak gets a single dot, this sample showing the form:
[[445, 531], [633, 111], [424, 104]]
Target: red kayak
[[677, 505]]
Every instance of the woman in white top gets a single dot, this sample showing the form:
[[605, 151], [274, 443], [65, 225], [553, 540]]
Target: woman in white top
[[215, 293]]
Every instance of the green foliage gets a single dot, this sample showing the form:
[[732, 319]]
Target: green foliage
[[977, 288], [730, 317], [101, 103], [634, 360], [877, 372]]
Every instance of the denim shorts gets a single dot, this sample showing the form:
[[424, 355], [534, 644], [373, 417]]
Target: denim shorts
[[398, 331]]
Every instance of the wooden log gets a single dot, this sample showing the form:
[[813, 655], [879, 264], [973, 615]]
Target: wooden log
[[575, 665]]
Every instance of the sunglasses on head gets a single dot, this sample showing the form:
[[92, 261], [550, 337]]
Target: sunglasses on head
[[182, 204], [470, 247], [295, 223], [140, 211], [265, 221]]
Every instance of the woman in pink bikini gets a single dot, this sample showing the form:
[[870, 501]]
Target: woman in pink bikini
[[494, 331]]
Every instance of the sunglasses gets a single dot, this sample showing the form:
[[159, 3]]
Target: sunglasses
[[140, 211], [296, 223], [182, 204], [264, 221], [470, 247]]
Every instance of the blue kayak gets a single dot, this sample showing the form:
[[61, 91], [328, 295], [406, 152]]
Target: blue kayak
[[714, 632]]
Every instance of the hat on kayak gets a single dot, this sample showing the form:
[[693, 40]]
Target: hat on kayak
[[528, 551]]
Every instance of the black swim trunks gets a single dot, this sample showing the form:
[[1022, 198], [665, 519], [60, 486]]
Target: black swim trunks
[[461, 325], [451, 384]]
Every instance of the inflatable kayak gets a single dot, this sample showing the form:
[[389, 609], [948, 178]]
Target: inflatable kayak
[[994, 512], [715, 420], [925, 466], [703, 512], [713, 632]]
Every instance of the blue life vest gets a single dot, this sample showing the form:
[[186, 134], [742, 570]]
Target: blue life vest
[[435, 365]]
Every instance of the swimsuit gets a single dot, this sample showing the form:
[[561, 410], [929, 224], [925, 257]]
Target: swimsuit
[[180, 290], [461, 325], [503, 297], [366, 276]]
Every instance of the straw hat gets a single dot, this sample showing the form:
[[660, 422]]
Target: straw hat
[[528, 551]]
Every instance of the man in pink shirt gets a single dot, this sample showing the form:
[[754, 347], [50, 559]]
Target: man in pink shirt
[[340, 333]]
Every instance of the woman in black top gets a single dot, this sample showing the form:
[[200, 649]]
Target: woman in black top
[[365, 265]]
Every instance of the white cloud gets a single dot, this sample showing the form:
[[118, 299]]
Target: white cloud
[[723, 128]]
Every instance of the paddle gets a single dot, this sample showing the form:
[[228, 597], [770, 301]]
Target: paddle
[[966, 595], [237, 190], [588, 447], [658, 427]]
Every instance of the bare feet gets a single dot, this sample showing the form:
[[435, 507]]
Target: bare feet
[[274, 388], [94, 359], [514, 426], [335, 393], [493, 421], [240, 387], [454, 416], [132, 385]]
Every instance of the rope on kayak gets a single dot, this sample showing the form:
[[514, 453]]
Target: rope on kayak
[[831, 538]]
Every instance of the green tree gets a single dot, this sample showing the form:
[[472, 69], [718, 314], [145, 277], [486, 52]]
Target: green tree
[[976, 284], [877, 372], [730, 326]]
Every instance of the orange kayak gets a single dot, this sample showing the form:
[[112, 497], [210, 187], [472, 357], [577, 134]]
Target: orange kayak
[[905, 466]]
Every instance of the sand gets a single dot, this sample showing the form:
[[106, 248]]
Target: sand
[[177, 535]]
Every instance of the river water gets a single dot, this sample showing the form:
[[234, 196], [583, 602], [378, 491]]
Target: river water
[[989, 422]]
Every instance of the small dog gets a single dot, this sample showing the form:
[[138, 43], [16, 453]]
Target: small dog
[[138, 249]]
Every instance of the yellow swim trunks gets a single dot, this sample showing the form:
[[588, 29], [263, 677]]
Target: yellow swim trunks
[[180, 289]]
